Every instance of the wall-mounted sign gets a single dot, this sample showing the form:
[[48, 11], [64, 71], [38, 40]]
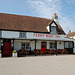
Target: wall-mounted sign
[[44, 36]]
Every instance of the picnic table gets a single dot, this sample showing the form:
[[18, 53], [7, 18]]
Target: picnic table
[[62, 51], [23, 52], [51, 51], [38, 51]]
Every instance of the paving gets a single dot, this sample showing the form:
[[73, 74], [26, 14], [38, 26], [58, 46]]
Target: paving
[[38, 65]]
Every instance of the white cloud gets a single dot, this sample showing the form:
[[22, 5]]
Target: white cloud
[[66, 23], [46, 9]]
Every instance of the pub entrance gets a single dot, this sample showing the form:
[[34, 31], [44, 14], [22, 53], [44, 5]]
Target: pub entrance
[[6, 48], [43, 46]]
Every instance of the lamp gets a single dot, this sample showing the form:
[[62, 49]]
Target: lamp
[[59, 42]]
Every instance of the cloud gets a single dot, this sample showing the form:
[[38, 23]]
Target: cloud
[[46, 9], [66, 23]]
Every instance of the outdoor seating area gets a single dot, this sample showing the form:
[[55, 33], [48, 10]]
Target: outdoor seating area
[[23, 52], [38, 52], [62, 51], [51, 51]]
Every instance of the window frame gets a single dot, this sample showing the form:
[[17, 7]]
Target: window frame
[[53, 45], [22, 34], [25, 45], [55, 31], [70, 44], [53, 26]]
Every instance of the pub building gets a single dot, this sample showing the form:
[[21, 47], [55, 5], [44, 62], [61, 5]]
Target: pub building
[[28, 33]]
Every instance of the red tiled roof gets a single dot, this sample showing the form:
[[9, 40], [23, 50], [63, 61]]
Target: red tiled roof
[[71, 34], [25, 23]]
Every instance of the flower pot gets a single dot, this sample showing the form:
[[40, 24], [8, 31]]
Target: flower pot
[[14, 54], [0, 55]]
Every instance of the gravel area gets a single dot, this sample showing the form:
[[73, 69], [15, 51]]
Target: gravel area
[[38, 65]]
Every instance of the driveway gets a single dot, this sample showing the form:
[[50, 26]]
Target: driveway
[[38, 65]]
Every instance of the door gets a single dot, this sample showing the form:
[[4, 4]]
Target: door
[[43, 46], [6, 48]]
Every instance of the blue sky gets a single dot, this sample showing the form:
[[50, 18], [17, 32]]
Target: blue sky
[[65, 10]]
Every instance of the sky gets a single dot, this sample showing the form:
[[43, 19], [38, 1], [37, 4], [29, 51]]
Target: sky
[[65, 9]]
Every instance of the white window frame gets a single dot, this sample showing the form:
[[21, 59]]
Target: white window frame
[[22, 34], [25, 47], [68, 44], [53, 31], [53, 45]]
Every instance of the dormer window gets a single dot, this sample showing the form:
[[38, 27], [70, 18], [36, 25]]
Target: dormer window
[[53, 28]]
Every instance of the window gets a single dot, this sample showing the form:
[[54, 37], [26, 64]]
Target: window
[[22, 34], [43, 44], [53, 29], [69, 44], [52, 45], [25, 46]]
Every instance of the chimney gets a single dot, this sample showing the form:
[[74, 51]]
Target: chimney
[[69, 31], [55, 17]]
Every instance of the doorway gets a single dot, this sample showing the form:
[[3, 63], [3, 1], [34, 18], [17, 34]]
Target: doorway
[[6, 48], [43, 46]]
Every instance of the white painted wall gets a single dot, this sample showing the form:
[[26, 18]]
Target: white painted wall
[[48, 28], [53, 24], [38, 45], [10, 34], [60, 46], [31, 35], [17, 44], [48, 44]]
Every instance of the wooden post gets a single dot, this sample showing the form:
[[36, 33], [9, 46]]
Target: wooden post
[[56, 47], [2, 46], [35, 46], [13, 44]]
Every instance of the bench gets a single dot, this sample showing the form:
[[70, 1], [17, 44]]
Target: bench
[[62, 51], [38, 51], [50, 51], [23, 52]]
